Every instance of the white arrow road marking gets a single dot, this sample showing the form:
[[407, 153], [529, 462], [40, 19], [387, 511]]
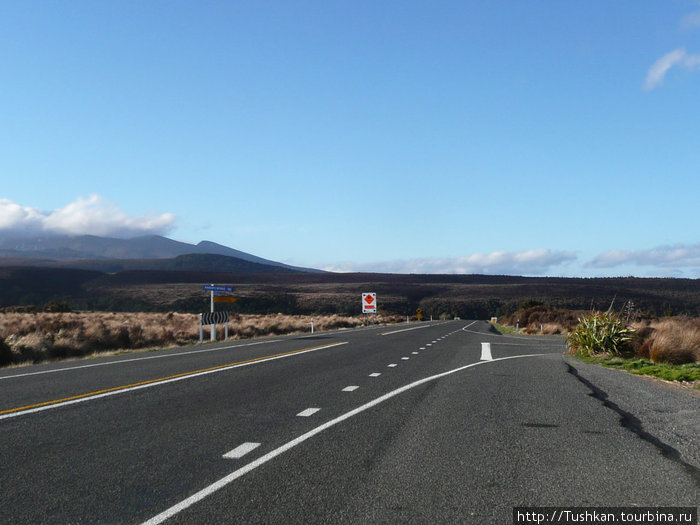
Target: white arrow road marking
[[486, 352], [308, 412], [241, 450], [217, 485]]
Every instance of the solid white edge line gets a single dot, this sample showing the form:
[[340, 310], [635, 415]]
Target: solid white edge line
[[186, 353], [158, 383], [407, 329], [214, 487], [139, 359]]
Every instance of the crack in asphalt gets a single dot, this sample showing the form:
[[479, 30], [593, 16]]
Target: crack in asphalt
[[633, 424]]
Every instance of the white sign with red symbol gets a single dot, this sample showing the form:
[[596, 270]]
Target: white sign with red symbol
[[369, 303]]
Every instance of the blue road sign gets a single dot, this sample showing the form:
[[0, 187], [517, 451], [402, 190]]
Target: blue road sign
[[217, 288]]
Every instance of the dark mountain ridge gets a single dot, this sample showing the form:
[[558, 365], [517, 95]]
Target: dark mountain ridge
[[91, 251]]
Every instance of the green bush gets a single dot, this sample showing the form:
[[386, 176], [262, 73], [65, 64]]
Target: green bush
[[600, 334]]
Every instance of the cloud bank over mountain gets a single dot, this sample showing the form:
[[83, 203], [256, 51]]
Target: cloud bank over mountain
[[98, 217], [668, 256], [527, 262], [84, 216]]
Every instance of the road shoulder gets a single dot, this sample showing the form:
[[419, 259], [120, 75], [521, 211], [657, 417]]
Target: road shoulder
[[664, 411]]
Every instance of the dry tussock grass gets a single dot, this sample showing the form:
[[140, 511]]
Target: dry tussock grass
[[33, 337], [541, 319], [674, 340]]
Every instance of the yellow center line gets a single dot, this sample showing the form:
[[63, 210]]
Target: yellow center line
[[160, 379]]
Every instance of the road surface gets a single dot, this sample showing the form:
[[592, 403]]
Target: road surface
[[444, 422]]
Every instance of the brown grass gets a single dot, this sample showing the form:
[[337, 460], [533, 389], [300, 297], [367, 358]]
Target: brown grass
[[34, 337], [541, 319], [673, 340]]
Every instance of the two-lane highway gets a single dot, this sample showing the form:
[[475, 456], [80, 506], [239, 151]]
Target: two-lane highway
[[409, 423]]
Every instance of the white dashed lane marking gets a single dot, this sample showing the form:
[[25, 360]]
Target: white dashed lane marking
[[308, 412], [241, 450]]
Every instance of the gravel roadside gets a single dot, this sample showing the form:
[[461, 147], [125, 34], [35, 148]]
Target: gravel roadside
[[663, 413]]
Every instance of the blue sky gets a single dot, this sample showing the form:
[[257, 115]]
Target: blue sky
[[521, 137]]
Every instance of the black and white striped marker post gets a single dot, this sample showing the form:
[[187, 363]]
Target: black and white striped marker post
[[212, 319]]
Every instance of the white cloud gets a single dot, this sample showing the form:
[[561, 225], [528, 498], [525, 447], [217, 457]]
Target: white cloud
[[530, 262], [670, 256], [93, 216], [691, 20], [677, 57]]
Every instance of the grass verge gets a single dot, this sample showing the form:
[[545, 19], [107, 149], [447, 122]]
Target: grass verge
[[688, 373], [504, 329]]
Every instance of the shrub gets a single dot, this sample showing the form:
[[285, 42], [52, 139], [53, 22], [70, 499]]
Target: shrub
[[600, 334], [56, 306], [5, 353]]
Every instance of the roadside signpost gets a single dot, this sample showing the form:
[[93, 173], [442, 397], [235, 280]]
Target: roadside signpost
[[211, 320], [217, 288], [369, 303], [224, 299]]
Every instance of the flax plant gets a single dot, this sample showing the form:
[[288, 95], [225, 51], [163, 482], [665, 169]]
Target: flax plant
[[600, 333]]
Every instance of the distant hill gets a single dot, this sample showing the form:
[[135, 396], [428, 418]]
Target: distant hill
[[176, 285], [111, 254], [192, 262]]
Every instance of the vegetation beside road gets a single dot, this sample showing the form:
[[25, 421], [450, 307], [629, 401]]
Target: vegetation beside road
[[667, 348], [44, 336], [687, 373]]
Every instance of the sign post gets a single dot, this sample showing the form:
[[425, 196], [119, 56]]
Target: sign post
[[369, 303], [216, 288], [213, 318]]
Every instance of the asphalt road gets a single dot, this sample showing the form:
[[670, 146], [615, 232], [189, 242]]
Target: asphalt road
[[418, 423]]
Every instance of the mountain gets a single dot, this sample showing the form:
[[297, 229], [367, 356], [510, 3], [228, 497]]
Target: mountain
[[91, 250]]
